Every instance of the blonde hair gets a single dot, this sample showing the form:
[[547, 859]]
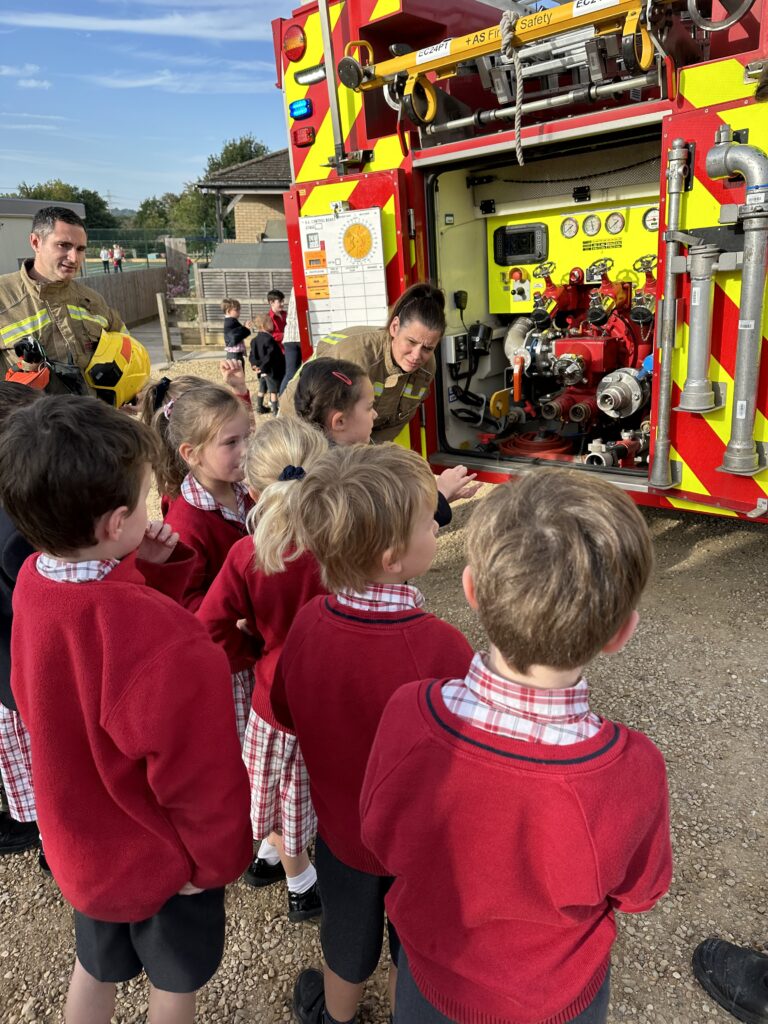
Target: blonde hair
[[559, 561], [263, 322], [227, 304], [356, 503], [194, 418], [276, 446]]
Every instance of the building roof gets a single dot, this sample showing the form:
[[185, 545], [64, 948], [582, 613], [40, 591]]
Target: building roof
[[269, 172], [251, 256]]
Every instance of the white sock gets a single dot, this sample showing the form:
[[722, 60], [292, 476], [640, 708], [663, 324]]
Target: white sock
[[300, 883], [268, 852]]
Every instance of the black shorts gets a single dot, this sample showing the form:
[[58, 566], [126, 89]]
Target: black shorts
[[179, 948], [272, 384], [352, 925]]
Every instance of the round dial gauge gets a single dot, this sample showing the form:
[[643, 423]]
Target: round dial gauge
[[357, 241], [614, 223], [569, 227], [592, 225], [651, 219]]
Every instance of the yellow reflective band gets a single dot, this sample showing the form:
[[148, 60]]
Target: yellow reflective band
[[78, 313], [36, 322], [333, 339], [409, 391], [378, 388]]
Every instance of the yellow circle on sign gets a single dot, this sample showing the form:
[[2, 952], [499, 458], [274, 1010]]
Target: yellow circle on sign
[[357, 241]]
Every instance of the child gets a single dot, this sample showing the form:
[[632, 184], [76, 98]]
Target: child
[[127, 703], [267, 358], [277, 315], [570, 810], [266, 591], [337, 396], [18, 828], [234, 332], [291, 343], [366, 513]]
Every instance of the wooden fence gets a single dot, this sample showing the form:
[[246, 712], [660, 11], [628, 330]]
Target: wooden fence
[[131, 293], [249, 287]]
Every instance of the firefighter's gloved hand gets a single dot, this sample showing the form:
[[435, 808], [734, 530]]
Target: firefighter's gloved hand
[[457, 482]]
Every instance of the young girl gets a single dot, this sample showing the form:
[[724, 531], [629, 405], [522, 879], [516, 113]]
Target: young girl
[[267, 358], [235, 333], [338, 397], [263, 592]]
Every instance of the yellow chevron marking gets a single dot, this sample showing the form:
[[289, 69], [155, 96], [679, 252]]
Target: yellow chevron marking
[[318, 203], [389, 230], [384, 8], [696, 506], [696, 84], [387, 154], [691, 482], [312, 55]]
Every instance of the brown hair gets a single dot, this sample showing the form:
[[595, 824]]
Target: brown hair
[[230, 304], [277, 446], [559, 562], [325, 386], [420, 302], [263, 322], [155, 404], [355, 503], [15, 396], [67, 461]]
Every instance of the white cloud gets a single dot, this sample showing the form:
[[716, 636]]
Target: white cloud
[[193, 60], [8, 71], [203, 25], [33, 83], [180, 83], [39, 117], [21, 126]]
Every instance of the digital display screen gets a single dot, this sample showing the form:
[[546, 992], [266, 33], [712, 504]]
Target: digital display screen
[[518, 243], [526, 244]]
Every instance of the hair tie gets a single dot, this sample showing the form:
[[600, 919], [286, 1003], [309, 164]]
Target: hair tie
[[161, 390], [342, 377], [167, 409], [292, 473]]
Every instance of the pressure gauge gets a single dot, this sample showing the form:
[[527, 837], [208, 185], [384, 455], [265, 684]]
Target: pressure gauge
[[592, 225], [614, 223], [651, 219], [569, 227]]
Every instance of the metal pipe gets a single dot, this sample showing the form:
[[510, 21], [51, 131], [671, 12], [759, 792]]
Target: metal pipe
[[677, 172], [582, 94], [698, 394], [330, 77], [723, 160]]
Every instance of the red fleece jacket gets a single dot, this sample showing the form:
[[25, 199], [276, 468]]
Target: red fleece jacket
[[268, 604], [338, 669], [566, 835], [139, 778]]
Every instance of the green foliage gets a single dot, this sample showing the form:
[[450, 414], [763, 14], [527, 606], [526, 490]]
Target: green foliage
[[235, 151], [153, 213], [97, 213]]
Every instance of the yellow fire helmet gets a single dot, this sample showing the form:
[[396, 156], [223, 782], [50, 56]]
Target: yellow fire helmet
[[119, 368]]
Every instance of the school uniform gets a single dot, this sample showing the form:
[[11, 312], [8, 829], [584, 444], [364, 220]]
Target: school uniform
[[267, 357], [234, 338], [571, 813]]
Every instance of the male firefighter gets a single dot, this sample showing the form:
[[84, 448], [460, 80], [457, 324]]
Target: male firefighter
[[46, 303]]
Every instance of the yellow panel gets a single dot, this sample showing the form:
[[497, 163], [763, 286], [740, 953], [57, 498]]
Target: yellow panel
[[384, 8], [389, 229], [320, 198], [726, 77], [695, 506], [312, 55], [387, 154], [690, 481]]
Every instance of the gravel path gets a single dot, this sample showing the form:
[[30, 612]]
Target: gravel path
[[693, 678]]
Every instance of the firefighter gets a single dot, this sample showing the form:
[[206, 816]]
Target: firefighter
[[45, 301], [398, 358]]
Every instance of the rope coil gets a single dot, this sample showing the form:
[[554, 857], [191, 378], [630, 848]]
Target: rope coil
[[511, 52]]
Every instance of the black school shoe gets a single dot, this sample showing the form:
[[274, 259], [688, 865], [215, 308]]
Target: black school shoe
[[309, 997], [260, 873], [735, 977], [17, 836], [43, 863], [304, 905]]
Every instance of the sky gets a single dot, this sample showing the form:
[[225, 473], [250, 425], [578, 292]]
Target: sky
[[131, 97]]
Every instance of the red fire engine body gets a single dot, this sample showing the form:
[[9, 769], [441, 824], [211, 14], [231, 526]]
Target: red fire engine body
[[588, 183]]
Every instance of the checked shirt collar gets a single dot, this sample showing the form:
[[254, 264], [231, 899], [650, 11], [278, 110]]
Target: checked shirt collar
[[504, 708], [74, 572], [382, 597], [197, 496]]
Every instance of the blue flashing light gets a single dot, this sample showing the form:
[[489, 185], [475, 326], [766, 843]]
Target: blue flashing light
[[299, 110]]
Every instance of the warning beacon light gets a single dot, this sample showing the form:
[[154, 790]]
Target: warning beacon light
[[300, 110]]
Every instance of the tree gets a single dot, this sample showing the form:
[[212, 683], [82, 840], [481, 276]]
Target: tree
[[97, 213], [235, 151], [152, 214]]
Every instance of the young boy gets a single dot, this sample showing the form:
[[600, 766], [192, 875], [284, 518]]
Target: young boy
[[234, 332], [368, 517], [570, 810], [129, 707], [267, 360], [277, 315]]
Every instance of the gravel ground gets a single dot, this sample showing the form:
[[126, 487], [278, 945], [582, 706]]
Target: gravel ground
[[693, 678]]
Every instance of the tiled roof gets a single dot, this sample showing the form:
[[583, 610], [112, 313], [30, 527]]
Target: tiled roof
[[270, 171]]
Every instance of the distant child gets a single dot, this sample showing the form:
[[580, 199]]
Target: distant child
[[337, 396], [569, 809], [128, 706], [235, 333], [291, 343], [277, 315], [262, 585], [18, 828], [366, 513], [267, 358]]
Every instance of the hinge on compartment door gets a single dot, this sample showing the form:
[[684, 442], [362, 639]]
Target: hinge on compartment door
[[411, 224]]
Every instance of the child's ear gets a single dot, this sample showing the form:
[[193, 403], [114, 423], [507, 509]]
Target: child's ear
[[468, 583], [335, 422], [390, 561], [622, 635], [186, 451], [109, 526]]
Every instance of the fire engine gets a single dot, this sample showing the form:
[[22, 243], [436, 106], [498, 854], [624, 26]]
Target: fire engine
[[588, 183]]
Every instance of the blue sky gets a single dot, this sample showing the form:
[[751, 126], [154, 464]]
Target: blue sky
[[130, 97]]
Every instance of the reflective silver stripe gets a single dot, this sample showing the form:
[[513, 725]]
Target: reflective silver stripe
[[78, 313], [36, 322]]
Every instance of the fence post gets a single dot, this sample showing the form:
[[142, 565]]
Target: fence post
[[162, 311]]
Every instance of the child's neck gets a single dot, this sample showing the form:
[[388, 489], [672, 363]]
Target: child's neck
[[385, 579], [538, 677], [102, 552], [222, 490]]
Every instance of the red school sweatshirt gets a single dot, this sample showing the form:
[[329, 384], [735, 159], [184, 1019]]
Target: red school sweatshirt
[[338, 669], [139, 779], [567, 835], [269, 605], [210, 536]]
